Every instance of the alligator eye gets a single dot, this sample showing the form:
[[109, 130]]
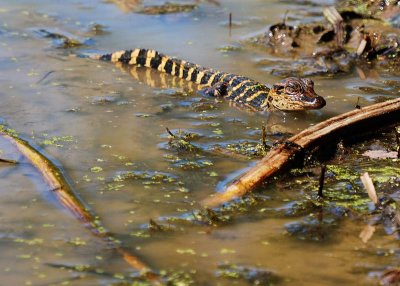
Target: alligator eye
[[292, 88], [308, 82]]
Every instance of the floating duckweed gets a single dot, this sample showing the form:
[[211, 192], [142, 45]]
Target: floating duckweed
[[119, 276], [186, 251], [24, 256], [218, 131], [227, 251], [114, 187], [34, 241], [96, 169], [193, 164], [140, 233], [183, 190], [149, 177], [56, 140], [343, 173], [47, 225], [86, 178], [250, 149], [77, 241]]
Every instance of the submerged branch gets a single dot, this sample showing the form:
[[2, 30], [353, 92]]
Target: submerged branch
[[8, 161], [347, 125], [62, 190]]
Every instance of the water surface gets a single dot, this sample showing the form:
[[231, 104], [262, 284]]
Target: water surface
[[99, 120]]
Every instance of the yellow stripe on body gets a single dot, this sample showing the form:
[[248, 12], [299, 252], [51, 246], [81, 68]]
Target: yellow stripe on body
[[209, 83], [115, 56], [134, 55], [200, 76], [149, 56], [231, 81], [266, 103], [173, 67], [189, 76], [163, 62], [223, 77], [257, 94], [241, 84], [244, 92], [181, 69]]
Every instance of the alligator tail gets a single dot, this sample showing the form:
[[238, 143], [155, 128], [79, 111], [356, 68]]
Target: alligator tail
[[155, 60]]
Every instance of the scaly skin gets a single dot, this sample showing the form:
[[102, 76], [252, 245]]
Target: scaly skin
[[289, 94]]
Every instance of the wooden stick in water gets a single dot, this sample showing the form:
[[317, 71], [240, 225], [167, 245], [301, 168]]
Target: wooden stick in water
[[62, 190], [358, 121]]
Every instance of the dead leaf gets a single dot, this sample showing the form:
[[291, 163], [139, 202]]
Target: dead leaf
[[369, 186], [380, 154], [367, 233]]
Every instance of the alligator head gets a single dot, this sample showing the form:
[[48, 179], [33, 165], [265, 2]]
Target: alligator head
[[295, 94]]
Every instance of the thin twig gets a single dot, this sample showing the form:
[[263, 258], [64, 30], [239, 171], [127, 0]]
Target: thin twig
[[170, 133], [398, 142], [264, 138], [285, 17], [321, 180], [230, 24], [8, 161], [44, 77], [357, 104]]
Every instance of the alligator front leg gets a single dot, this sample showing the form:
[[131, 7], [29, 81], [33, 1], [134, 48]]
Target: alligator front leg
[[219, 89]]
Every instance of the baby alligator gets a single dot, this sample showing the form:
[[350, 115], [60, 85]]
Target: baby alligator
[[289, 94]]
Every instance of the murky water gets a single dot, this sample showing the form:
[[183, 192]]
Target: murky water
[[99, 121]]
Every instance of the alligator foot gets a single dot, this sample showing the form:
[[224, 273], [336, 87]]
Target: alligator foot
[[217, 90]]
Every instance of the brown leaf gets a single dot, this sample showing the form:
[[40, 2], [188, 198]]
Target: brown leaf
[[367, 233], [369, 186], [380, 154]]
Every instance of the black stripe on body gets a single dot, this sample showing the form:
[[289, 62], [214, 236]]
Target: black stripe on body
[[125, 57], [252, 90], [168, 66], [206, 77], [106, 57], [178, 64], [238, 81], [228, 77], [217, 78], [240, 90], [142, 57], [257, 101], [185, 71], [156, 61], [194, 75]]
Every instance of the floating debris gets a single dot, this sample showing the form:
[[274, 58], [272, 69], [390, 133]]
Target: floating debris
[[254, 275], [62, 40], [167, 8]]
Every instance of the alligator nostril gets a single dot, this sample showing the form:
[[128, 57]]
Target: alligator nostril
[[320, 102]]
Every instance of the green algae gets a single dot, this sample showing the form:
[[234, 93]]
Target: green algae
[[148, 177], [167, 8], [57, 141], [251, 274]]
